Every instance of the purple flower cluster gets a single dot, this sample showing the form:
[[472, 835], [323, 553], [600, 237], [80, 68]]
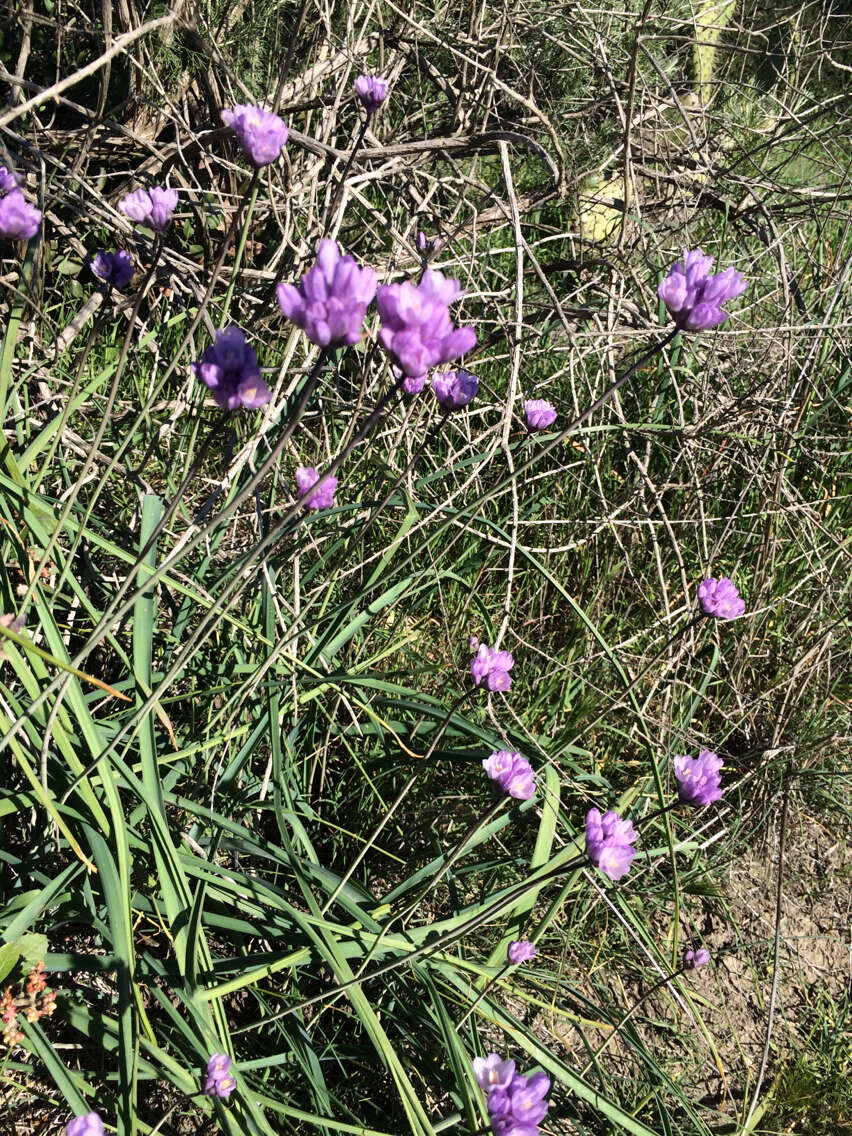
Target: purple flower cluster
[[261, 134], [491, 667], [539, 414], [230, 369], [720, 598], [219, 1082], [520, 950], [371, 91], [151, 207], [511, 773], [88, 1125], [115, 268], [516, 1103], [323, 498], [417, 330], [18, 219], [330, 302], [455, 389], [694, 297], [698, 779], [609, 843], [694, 959]]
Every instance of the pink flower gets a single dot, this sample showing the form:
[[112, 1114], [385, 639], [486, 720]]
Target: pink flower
[[521, 950], [698, 780], [417, 330], [331, 300], [720, 598], [511, 773], [323, 498], [609, 841], [151, 207], [491, 667], [260, 133]]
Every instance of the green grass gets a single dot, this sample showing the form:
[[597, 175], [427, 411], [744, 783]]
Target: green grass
[[270, 835]]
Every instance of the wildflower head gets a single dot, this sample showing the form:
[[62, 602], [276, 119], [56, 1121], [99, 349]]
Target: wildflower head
[[720, 598], [694, 297], [515, 1103], [417, 330], [491, 667], [427, 246], [330, 302], [539, 414], [230, 369], [693, 959], [371, 91], [219, 1082], [151, 207], [260, 133], [698, 779], [521, 950], [609, 841], [455, 389], [18, 219], [323, 498], [511, 773], [115, 268], [492, 1072], [88, 1125]]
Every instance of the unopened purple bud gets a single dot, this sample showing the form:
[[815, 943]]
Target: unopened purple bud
[[9, 180], [151, 207], [322, 498], [455, 389], [694, 297], [115, 268], [18, 219], [540, 414], [491, 667], [88, 1125], [261, 134], [521, 950], [693, 959], [720, 598], [371, 91], [609, 841], [698, 779], [331, 300], [512, 774]]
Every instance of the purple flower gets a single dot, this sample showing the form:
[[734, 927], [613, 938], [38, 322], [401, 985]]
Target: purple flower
[[698, 780], [515, 1103], [230, 369], [114, 268], [513, 774], [260, 133], [219, 1082], [330, 302], [18, 219], [693, 959], [151, 207], [427, 246], [371, 91], [693, 297], [540, 414], [492, 1072], [492, 667], [9, 180], [88, 1125], [306, 479], [413, 386], [455, 389], [416, 327], [720, 598], [521, 950], [608, 843]]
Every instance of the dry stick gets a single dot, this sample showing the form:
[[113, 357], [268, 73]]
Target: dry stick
[[776, 972], [338, 189], [513, 382], [117, 48]]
